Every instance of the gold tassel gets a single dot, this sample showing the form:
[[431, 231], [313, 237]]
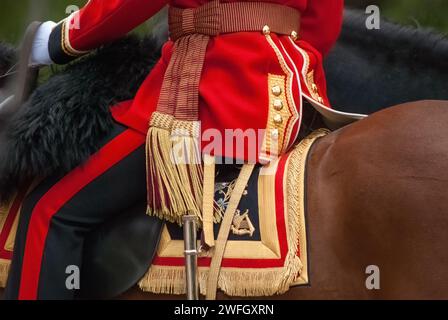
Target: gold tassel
[[164, 195], [187, 155], [175, 172]]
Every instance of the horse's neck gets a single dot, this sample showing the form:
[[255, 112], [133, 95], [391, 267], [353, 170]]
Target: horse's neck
[[405, 42], [373, 69]]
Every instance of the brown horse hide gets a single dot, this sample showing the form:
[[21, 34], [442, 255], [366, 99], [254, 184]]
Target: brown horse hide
[[378, 195]]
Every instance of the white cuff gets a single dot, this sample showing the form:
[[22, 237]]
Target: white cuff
[[40, 54]]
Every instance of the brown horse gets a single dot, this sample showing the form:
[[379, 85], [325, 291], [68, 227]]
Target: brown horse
[[377, 194]]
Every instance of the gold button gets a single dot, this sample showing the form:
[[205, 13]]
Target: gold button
[[275, 134], [276, 90], [266, 30], [294, 35], [278, 119], [278, 104]]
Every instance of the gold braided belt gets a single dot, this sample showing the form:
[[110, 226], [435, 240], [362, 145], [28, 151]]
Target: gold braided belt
[[174, 163]]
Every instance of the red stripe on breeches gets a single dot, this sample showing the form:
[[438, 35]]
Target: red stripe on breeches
[[60, 194]]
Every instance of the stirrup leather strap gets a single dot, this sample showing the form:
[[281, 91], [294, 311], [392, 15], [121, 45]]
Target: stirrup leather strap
[[221, 242]]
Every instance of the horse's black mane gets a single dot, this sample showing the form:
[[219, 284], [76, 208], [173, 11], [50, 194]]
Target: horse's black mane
[[403, 42], [373, 69]]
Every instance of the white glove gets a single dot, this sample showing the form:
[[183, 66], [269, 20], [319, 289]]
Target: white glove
[[40, 54]]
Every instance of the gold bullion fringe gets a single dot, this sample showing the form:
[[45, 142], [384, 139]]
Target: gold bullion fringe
[[174, 168], [295, 192], [233, 282]]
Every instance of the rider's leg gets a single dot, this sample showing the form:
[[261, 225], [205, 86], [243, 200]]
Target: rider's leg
[[59, 213]]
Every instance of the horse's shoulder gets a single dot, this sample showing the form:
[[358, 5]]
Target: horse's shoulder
[[404, 135]]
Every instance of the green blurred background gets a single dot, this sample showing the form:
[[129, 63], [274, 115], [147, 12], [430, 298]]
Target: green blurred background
[[14, 14]]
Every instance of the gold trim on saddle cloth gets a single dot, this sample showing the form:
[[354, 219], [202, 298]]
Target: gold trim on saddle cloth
[[4, 271], [164, 277], [9, 244], [4, 209], [65, 37], [9, 228]]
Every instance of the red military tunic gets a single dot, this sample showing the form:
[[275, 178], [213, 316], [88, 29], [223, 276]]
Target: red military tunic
[[240, 71]]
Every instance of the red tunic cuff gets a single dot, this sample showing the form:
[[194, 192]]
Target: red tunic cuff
[[60, 49]]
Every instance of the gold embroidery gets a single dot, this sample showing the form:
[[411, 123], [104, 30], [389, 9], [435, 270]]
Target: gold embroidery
[[65, 40], [278, 117], [9, 245], [295, 204], [4, 271], [267, 248], [224, 191], [242, 225], [280, 136], [5, 263], [4, 210]]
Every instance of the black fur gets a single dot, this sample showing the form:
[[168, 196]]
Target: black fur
[[65, 118]]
